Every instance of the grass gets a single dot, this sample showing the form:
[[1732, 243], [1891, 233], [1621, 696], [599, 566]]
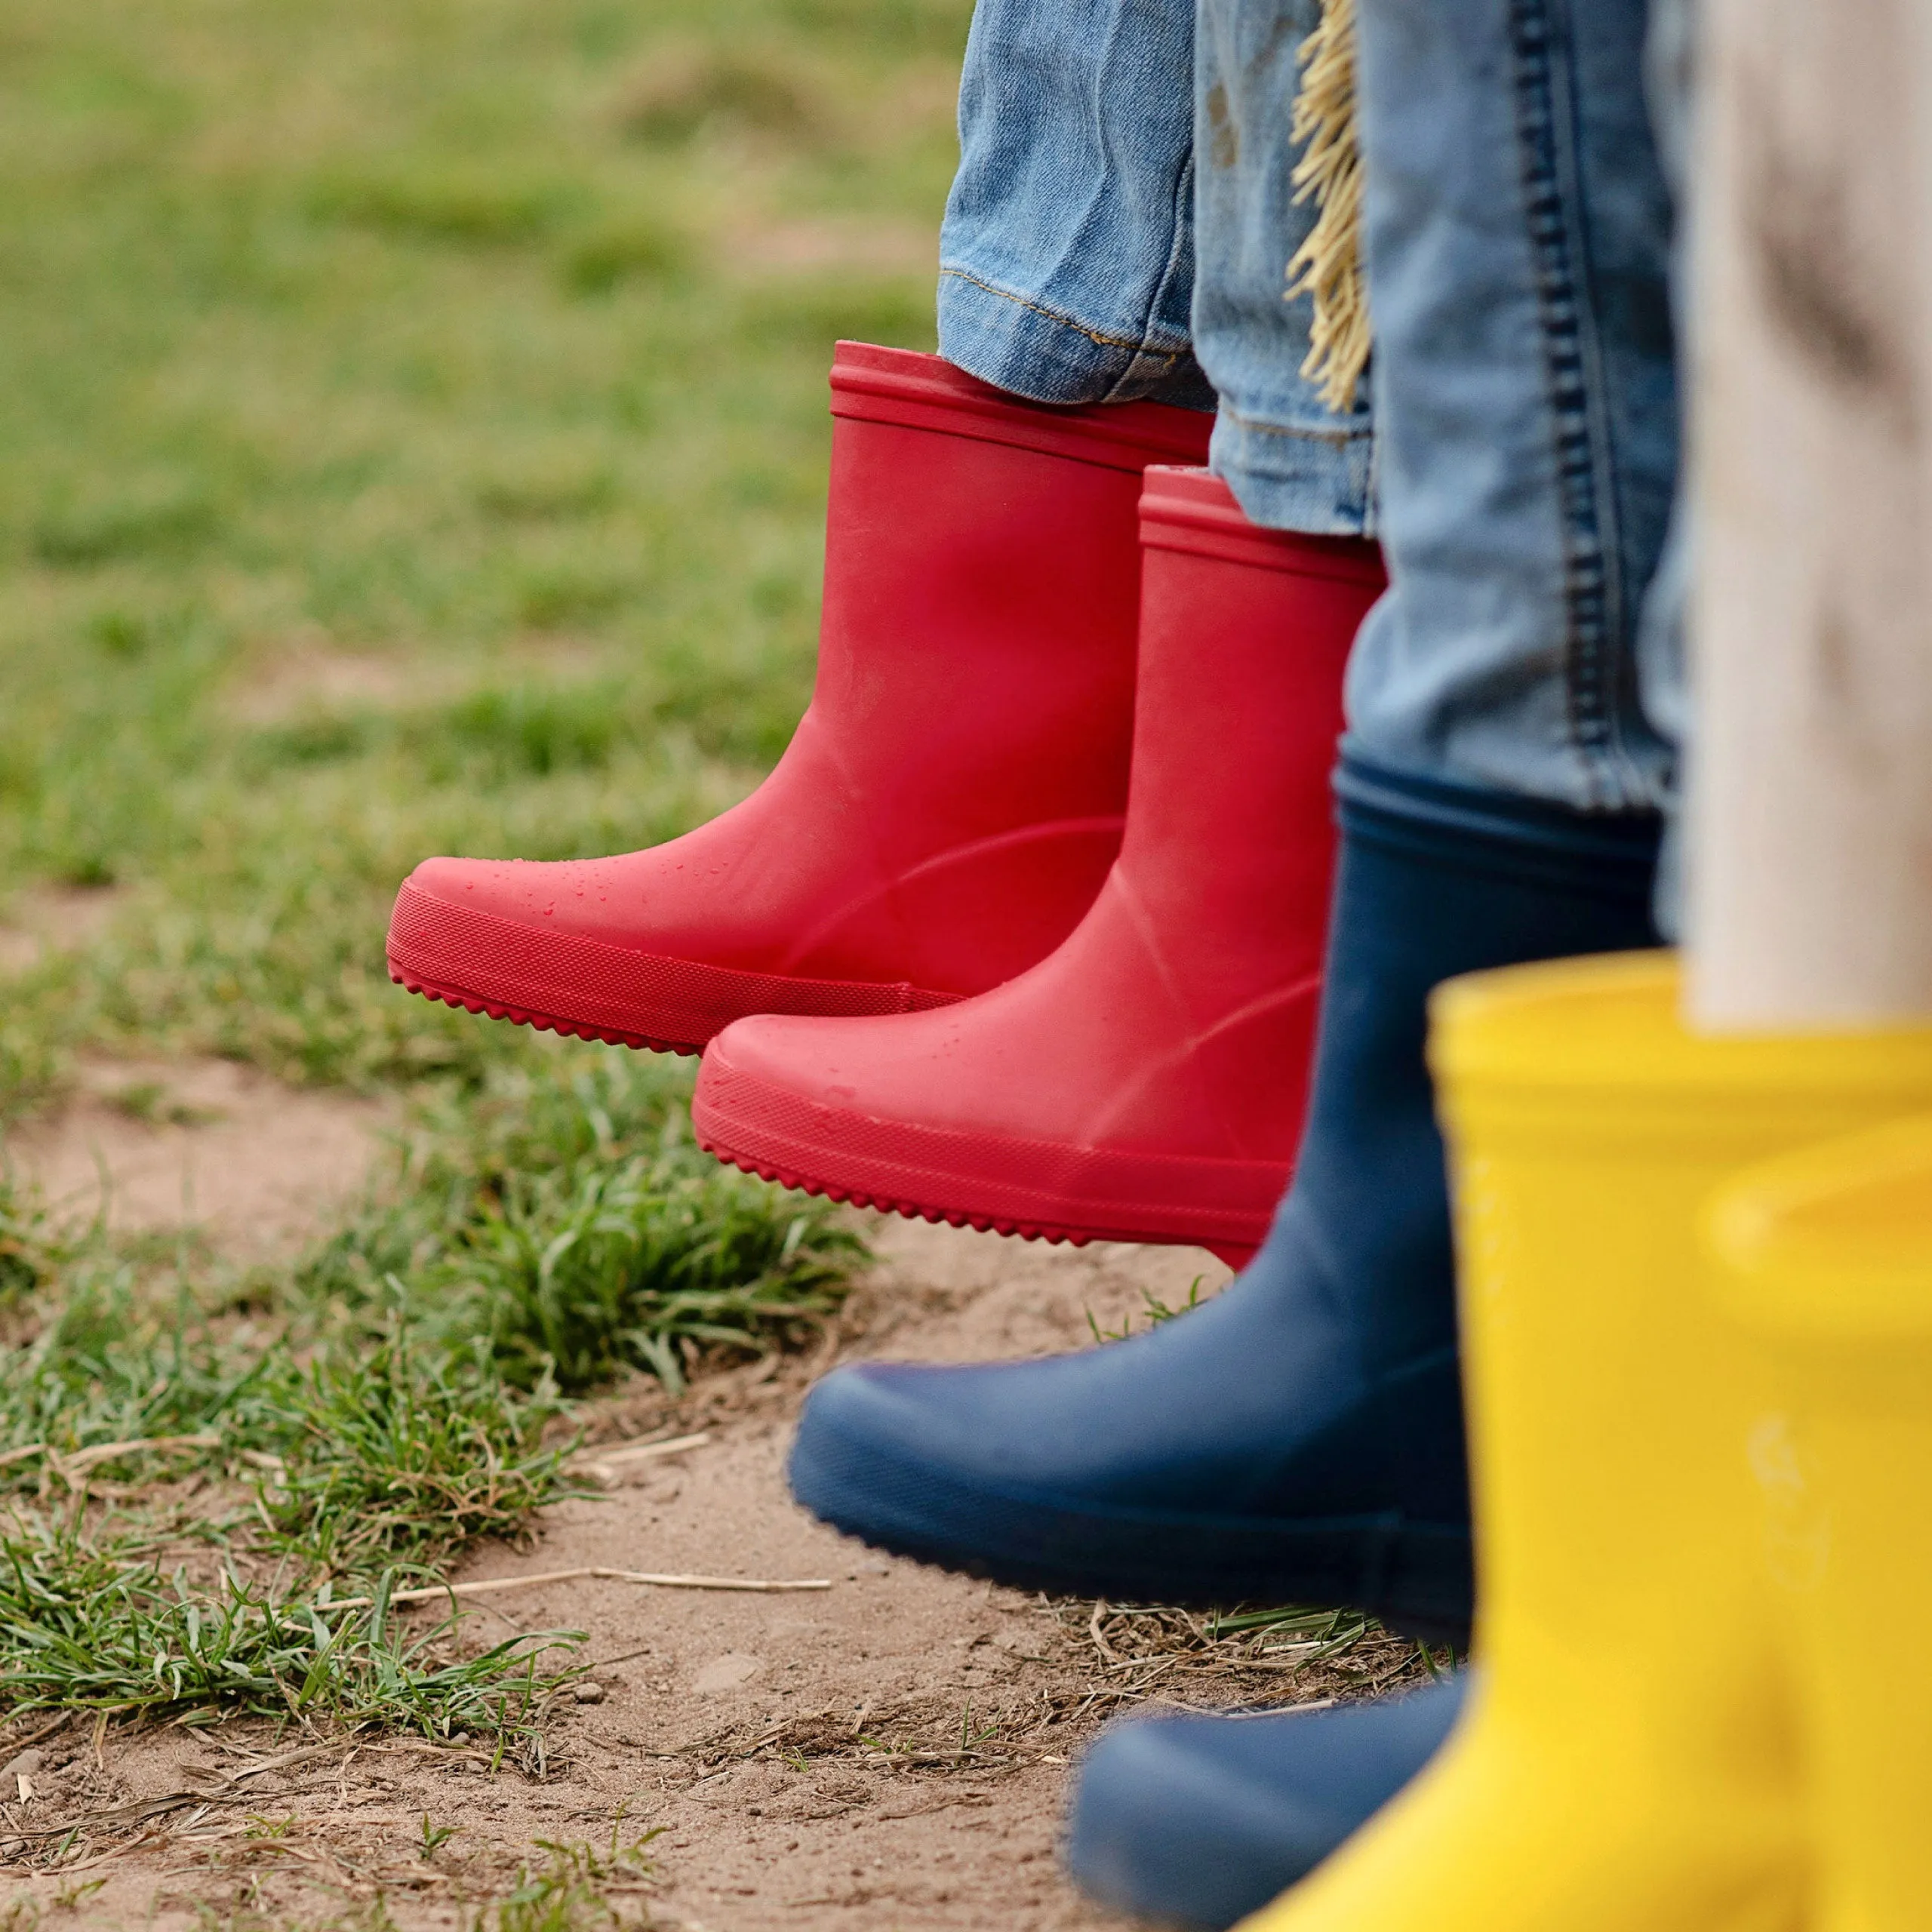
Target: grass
[[571, 1889], [187, 1494], [411, 440], [91, 1621], [570, 1221], [403, 1453], [363, 1416], [1153, 1311], [1226, 1656]]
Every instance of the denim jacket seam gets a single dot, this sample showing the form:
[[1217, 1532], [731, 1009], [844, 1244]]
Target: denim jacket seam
[[1099, 337]]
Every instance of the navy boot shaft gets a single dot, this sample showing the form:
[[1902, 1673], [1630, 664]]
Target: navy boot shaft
[[1298, 1438]]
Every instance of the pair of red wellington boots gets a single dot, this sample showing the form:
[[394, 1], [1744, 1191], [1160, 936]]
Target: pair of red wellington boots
[[1025, 929]]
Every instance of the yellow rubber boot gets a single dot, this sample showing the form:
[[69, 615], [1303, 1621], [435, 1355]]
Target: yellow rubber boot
[[1624, 1764], [1830, 1266]]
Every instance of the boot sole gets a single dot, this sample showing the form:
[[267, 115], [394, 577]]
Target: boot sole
[[1415, 1578], [589, 989], [1040, 1190]]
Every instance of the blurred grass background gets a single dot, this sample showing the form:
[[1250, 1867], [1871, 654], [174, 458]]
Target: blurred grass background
[[412, 439]]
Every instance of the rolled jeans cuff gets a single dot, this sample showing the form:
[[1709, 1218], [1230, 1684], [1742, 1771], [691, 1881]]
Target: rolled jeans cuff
[[1027, 347]]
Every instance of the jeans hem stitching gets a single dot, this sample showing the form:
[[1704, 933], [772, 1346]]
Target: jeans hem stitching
[[1340, 439], [1097, 337]]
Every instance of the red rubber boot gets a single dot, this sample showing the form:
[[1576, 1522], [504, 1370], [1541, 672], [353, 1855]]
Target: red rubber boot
[[951, 801], [1146, 1082]]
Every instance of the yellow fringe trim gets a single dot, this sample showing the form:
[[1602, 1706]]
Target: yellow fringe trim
[[1328, 264]]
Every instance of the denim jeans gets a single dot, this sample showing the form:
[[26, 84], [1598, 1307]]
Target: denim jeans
[[1068, 269], [1116, 232], [1517, 230]]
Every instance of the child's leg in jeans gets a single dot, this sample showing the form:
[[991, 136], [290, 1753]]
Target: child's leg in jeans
[[1083, 259], [1067, 261]]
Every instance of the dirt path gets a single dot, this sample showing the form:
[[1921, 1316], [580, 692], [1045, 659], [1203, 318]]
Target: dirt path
[[259, 1167], [799, 1753]]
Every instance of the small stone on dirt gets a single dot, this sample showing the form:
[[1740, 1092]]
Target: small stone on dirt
[[589, 1693]]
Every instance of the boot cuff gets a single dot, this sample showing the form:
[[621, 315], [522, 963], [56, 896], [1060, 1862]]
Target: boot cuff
[[1497, 832], [914, 391]]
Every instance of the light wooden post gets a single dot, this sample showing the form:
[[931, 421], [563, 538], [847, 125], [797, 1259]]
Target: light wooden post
[[1810, 830]]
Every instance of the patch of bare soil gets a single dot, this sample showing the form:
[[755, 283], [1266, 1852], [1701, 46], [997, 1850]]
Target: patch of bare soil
[[259, 1167], [889, 1751], [53, 919]]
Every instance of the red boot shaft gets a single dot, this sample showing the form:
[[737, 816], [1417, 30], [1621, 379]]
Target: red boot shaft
[[951, 800], [1146, 1082]]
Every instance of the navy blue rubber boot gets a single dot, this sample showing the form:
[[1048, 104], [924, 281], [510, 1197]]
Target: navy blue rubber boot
[[1199, 1821], [1299, 1437]]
